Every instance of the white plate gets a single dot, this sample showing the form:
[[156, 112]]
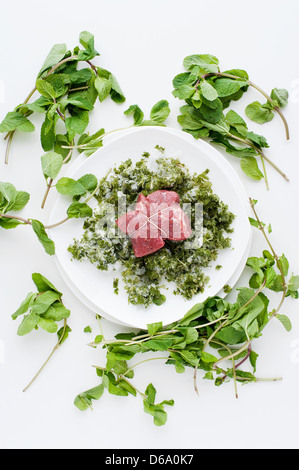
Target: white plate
[[95, 288]]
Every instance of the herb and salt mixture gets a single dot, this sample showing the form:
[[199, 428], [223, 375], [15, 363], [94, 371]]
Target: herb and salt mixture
[[144, 278]]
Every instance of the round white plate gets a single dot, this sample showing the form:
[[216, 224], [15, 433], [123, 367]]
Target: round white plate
[[95, 288]]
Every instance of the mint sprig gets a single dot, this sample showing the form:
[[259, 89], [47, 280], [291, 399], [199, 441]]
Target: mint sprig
[[211, 334]]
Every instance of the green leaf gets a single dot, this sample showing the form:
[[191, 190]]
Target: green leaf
[[237, 122], [87, 41], [28, 324], [77, 124], [281, 96], [277, 284], [138, 115], [259, 113], [60, 83], [89, 182], [250, 167], [79, 77], [79, 209], [208, 91], [201, 63], [126, 386], [48, 325], [20, 201], [294, 283], [70, 187], [257, 264], [63, 334], [47, 133], [226, 87], [45, 89], [115, 390], [192, 314], [184, 92], [116, 93], [103, 87], [253, 358], [254, 222], [51, 164], [159, 299], [158, 344], [285, 321], [40, 231], [44, 301], [283, 264], [84, 400], [55, 55], [8, 224], [160, 111], [15, 121], [25, 305], [151, 394], [43, 284], [239, 73], [208, 358], [157, 411], [57, 312], [9, 194], [153, 328], [258, 140]]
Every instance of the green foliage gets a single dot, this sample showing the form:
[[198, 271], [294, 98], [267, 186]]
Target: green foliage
[[227, 328], [158, 114], [207, 92], [45, 308], [67, 94]]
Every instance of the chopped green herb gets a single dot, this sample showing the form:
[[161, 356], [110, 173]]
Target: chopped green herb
[[115, 286], [144, 278], [227, 289]]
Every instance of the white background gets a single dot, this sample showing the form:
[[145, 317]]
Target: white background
[[143, 44]]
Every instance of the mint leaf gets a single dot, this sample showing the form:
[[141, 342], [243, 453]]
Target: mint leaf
[[103, 87], [208, 91], [79, 209], [250, 167], [55, 55], [281, 96], [51, 164], [259, 113], [70, 187], [286, 322], [45, 89], [28, 324], [15, 121], [42, 236]]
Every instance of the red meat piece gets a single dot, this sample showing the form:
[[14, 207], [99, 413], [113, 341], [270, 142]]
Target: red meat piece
[[156, 217]]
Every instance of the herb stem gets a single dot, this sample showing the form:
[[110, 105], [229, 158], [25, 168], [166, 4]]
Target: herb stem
[[278, 262], [281, 115], [50, 356], [231, 356], [85, 146], [10, 135], [47, 193], [8, 145], [57, 224], [145, 360], [260, 152], [259, 89]]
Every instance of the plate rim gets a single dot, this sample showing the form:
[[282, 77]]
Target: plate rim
[[198, 145]]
